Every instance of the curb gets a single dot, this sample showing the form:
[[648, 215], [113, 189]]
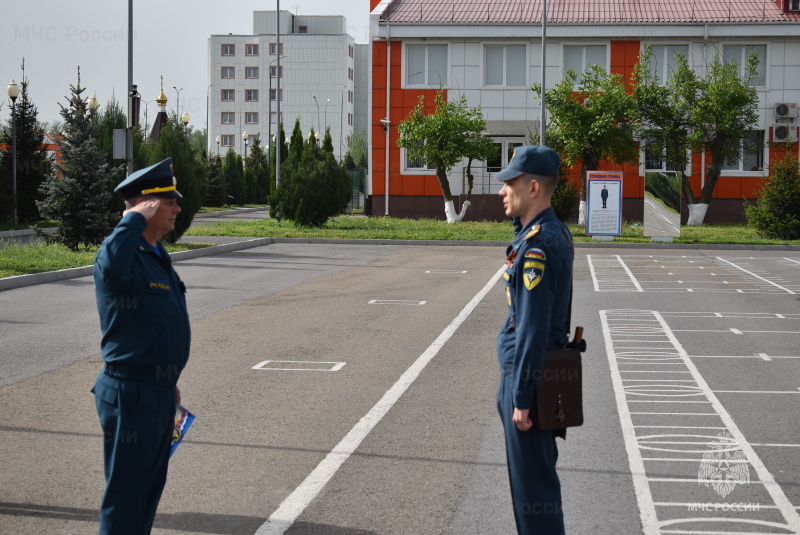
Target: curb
[[229, 212], [21, 281]]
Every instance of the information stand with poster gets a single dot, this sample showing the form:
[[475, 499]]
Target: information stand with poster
[[604, 203]]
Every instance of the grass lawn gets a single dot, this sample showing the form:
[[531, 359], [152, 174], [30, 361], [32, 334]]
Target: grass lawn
[[40, 257], [37, 258], [387, 228]]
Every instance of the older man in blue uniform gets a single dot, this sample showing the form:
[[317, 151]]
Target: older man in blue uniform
[[145, 346], [538, 286]]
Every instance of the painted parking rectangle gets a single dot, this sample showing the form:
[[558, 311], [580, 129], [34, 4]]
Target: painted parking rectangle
[[693, 469]]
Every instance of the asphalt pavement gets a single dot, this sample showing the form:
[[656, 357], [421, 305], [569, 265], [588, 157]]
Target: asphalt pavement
[[349, 389]]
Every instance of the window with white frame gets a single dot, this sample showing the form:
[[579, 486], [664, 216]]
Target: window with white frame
[[655, 156], [274, 70], [274, 117], [794, 5], [664, 60], [426, 65], [273, 94], [739, 55], [414, 164], [578, 57], [273, 49], [228, 50], [251, 72], [228, 140], [751, 154], [250, 50], [228, 72], [251, 117], [251, 95], [228, 95], [505, 65], [228, 117]]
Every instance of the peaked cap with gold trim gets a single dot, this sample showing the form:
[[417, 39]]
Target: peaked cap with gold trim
[[157, 180]]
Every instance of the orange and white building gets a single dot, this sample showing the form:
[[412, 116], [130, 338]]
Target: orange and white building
[[491, 52]]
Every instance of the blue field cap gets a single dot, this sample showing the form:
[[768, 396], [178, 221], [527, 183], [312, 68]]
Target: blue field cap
[[532, 159], [157, 180]]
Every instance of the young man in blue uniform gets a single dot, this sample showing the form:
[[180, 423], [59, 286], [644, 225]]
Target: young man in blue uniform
[[538, 286], [145, 346]]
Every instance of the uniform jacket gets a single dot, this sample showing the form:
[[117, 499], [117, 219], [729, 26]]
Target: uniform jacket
[[538, 287], [140, 300]]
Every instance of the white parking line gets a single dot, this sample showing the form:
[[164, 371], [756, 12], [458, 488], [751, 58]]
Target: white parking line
[[612, 321], [294, 504], [757, 276]]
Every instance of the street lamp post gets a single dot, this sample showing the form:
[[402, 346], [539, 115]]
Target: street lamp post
[[177, 101], [185, 119], [325, 113], [315, 100], [13, 93], [245, 135], [218, 140], [269, 121]]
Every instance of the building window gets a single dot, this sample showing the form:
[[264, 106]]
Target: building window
[[302, 29], [739, 54], [273, 71], [751, 154], [251, 117], [578, 57], [273, 47], [250, 50], [349, 119], [251, 95], [426, 65], [794, 5], [415, 164], [350, 48], [504, 65], [228, 140], [228, 95], [228, 50], [274, 117], [251, 72], [655, 156], [349, 96], [273, 94], [664, 60], [349, 73], [228, 117], [228, 72]]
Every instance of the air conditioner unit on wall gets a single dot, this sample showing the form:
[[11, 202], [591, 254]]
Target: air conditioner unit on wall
[[785, 109], [784, 132]]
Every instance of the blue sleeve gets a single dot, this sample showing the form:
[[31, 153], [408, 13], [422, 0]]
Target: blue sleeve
[[115, 258], [534, 309]]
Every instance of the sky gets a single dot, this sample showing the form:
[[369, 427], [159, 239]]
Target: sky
[[170, 39]]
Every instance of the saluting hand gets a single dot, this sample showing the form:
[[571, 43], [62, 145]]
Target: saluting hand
[[147, 208]]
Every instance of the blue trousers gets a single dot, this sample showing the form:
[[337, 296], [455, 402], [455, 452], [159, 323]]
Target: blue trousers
[[532, 457], [137, 420]]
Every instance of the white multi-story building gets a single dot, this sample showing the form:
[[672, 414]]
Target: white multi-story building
[[317, 80]]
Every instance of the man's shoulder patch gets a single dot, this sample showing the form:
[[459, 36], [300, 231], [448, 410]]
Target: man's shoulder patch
[[536, 254], [533, 231]]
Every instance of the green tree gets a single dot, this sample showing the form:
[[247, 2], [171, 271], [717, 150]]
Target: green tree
[[233, 177], [442, 139], [287, 195], [323, 187], [112, 117], [358, 149], [215, 193], [256, 174], [33, 164], [189, 168], [594, 119], [566, 193], [777, 212], [702, 114], [274, 208], [77, 194]]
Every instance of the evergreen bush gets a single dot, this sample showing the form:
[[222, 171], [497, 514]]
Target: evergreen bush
[[776, 214]]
